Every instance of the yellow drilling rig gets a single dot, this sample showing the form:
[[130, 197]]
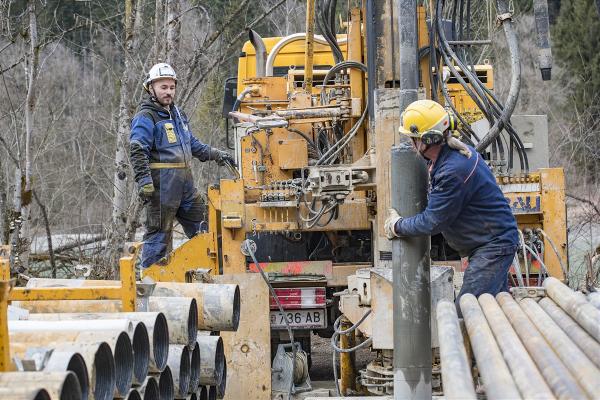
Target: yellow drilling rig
[[313, 121]]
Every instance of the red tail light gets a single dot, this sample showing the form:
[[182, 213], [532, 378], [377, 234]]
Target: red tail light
[[298, 298]]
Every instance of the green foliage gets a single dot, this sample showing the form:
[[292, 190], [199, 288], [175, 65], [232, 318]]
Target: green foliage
[[576, 39]]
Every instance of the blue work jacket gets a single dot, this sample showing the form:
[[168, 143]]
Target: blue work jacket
[[159, 135], [465, 205]]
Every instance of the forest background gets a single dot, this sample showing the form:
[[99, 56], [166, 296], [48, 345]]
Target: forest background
[[70, 81]]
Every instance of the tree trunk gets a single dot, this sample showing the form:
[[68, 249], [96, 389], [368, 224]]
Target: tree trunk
[[120, 203], [173, 31]]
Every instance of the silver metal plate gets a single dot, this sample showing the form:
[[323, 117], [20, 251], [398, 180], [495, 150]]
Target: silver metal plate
[[305, 319]]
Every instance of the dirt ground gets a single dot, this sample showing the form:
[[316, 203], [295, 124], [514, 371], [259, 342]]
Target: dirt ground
[[322, 367]]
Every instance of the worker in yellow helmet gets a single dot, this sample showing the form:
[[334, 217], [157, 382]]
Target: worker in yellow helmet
[[465, 203]]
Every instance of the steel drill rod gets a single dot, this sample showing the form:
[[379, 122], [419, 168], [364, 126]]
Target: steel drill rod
[[179, 363], [60, 385], [24, 394], [527, 377], [133, 394], [497, 380], [212, 359], [182, 316], [98, 358], [411, 280], [69, 360], [558, 377], [582, 311], [222, 386], [218, 304], [456, 372], [149, 389], [579, 336], [155, 322], [586, 373], [166, 388], [195, 365]]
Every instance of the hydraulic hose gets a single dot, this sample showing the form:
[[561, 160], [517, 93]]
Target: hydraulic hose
[[515, 81]]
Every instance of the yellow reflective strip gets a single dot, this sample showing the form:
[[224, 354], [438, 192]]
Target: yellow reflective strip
[[167, 165]]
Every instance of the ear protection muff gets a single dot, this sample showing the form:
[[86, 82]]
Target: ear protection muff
[[432, 137]]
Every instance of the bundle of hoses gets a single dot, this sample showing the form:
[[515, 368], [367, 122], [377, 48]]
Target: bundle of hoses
[[531, 347], [495, 112]]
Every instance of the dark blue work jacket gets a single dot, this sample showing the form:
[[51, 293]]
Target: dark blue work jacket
[[465, 205], [162, 136]]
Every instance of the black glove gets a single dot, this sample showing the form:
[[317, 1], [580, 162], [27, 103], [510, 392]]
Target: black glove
[[145, 192], [222, 157]]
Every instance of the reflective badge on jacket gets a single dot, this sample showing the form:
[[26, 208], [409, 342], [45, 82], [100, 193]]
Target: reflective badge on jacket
[[171, 136]]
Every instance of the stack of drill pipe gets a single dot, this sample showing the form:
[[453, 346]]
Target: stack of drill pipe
[[166, 389], [133, 394], [584, 370], [149, 389], [179, 363], [119, 361], [24, 394], [98, 358], [577, 307], [218, 304], [456, 372], [181, 312], [195, 365], [155, 322], [212, 359], [527, 377], [59, 385]]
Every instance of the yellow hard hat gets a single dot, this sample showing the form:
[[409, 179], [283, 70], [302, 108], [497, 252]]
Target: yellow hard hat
[[426, 120]]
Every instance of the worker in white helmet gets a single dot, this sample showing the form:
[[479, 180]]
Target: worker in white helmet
[[162, 148]]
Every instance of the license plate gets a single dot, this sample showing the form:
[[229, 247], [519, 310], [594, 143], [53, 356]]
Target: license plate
[[314, 318]]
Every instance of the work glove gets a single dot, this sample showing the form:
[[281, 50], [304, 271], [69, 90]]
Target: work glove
[[146, 192], [222, 157], [390, 224]]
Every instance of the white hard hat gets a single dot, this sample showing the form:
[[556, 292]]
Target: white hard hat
[[158, 71]]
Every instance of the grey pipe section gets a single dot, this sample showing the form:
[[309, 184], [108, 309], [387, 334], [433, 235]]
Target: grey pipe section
[[218, 304], [212, 392], [583, 339], [498, 381], [528, 378], [408, 51], [411, 281], [179, 363], [542, 27], [202, 393], [141, 352], [578, 308], [166, 388], [456, 372], [222, 386], [182, 317], [98, 357], [212, 359], [60, 385], [586, 373], [133, 394], [261, 52], [558, 377], [73, 361], [149, 389], [155, 322], [195, 365], [24, 394], [515, 79]]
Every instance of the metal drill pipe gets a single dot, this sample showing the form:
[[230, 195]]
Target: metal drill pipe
[[411, 281], [202, 393], [182, 316], [149, 389], [528, 378], [218, 304], [497, 380], [212, 393], [69, 360], [456, 372], [166, 388], [582, 311], [179, 363], [98, 360], [155, 322], [133, 394], [71, 326], [60, 385], [24, 394], [579, 336], [586, 373], [222, 386], [558, 377], [212, 359], [195, 365], [119, 343], [594, 299]]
